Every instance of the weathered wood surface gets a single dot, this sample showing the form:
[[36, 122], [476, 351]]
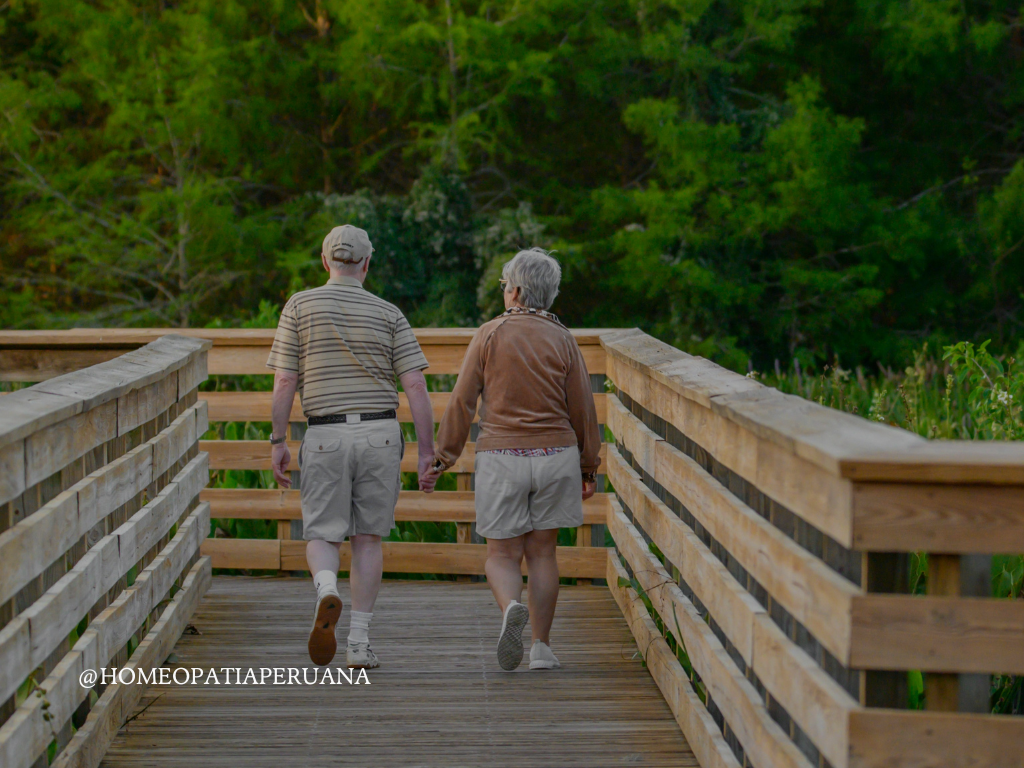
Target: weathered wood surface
[[438, 507], [40, 355], [399, 557], [27, 734], [255, 454], [255, 406], [115, 706], [438, 700], [840, 444]]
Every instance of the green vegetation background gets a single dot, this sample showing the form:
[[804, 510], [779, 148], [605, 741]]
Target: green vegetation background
[[749, 180]]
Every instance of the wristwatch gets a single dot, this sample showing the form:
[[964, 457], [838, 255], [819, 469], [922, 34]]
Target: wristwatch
[[438, 466], [276, 440]]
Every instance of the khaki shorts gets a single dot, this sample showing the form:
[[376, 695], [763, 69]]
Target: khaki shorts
[[519, 494], [351, 476]]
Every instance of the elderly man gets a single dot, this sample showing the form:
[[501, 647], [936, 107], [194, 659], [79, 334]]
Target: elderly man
[[343, 347], [537, 453]]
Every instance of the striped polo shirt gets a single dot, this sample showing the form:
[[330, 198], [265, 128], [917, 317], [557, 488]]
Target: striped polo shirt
[[347, 346]]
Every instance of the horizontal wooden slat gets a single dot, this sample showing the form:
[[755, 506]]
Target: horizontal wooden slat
[[40, 355], [50, 618], [255, 454], [891, 738], [938, 634], [255, 406], [937, 517], [439, 506], [115, 706], [399, 557], [27, 733], [816, 595], [28, 547], [815, 701], [763, 741], [700, 729]]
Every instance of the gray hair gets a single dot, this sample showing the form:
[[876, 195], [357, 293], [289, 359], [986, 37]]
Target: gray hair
[[536, 275]]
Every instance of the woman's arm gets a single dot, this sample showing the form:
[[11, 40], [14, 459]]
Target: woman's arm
[[458, 416], [583, 416]]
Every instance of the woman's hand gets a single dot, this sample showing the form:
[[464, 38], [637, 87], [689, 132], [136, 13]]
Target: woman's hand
[[588, 489]]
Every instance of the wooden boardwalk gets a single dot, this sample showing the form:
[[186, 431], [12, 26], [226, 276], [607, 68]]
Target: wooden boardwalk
[[438, 700]]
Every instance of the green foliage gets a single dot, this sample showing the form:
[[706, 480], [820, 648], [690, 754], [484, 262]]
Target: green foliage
[[746, 179]]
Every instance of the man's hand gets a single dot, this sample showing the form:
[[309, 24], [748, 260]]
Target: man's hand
[[428, 478], [588, 490], [280, 458]]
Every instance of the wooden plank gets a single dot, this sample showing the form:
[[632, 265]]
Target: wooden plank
[[807, 490], [140, 406], [731, 605], [28, 547], [29, 410], [938, 634], [255, 554], [51, 449], [41, 364], [255, 406], [12, 471], [816, 595], [28, 733], [52, 617], [255, 454], [399, 557], [439, 506], [696, 722], [815, 701], [128, 338], [887, 738], [88, 745], [934, 517]]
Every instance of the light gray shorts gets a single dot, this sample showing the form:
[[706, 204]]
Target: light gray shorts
[[519, 494], [351, 476]]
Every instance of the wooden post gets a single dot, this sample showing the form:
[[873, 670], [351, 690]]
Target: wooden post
[[583, 540], [886, 572], [463, 531], [955, 576], [292, 529]]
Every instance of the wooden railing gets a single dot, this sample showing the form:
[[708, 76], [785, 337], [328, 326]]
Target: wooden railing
[[770, 536], [37, 355], [100, 530], [761, 550]]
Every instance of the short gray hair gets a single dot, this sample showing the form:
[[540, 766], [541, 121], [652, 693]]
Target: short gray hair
[[536, 275]]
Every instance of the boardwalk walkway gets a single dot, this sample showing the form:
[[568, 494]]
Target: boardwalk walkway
[[439, 700]]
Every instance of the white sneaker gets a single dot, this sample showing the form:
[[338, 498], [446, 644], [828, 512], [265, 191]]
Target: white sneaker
[[510, 642], [541, 656], [362, 657], [322, 642]]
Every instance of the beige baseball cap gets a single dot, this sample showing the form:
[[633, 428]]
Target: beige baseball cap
[[347, 245]]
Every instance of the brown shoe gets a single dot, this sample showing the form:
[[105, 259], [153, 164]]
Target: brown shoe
[[322, 642]]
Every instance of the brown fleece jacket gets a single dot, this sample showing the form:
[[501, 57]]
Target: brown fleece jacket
[[535, 391]]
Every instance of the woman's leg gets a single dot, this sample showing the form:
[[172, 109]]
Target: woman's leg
[[542, 584], [504, 569]]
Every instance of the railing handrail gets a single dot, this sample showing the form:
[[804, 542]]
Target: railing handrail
[[841, 444]]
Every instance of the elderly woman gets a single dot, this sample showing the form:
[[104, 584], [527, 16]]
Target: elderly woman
[[537, 452]]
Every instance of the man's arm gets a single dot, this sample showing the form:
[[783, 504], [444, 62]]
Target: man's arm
[[583, 418], [285, 384], [415, 386]]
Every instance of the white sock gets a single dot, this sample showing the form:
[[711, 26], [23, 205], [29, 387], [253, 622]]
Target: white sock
[[359, 628], [325, 581]]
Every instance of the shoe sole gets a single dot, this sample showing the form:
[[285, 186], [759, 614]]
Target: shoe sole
[[322, 642], [510, 644], [544, 665]]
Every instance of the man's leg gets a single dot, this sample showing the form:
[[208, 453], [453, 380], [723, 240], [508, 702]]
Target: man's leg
[[323, 560], [367, 567], [504, 569], [542, 589]]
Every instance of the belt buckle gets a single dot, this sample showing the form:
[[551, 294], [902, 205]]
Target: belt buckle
[[353, 418]]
